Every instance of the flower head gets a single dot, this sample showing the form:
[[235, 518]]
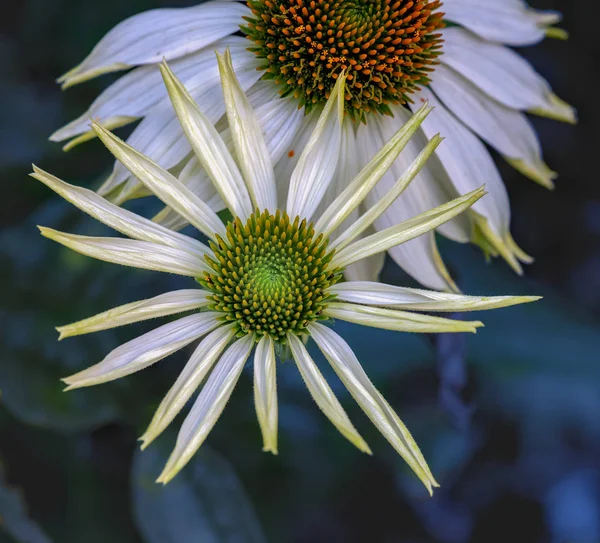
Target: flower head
[[397, 54], [270, 276]]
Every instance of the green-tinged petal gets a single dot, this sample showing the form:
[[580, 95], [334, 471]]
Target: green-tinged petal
[[128, 252], [368, 177], [317, 163], [374, 211], [208, 407], [252, 154], [323, 395], [200, 363], [265, 392], [145, 350], [209, 147], [556, 109], [412, 299], [170, 303], [400, 321], [164, 185], [405, 231], [493, 244], [348, 368], [122, 220]]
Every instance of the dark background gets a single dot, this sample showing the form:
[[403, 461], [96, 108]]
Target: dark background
[[508, 419]]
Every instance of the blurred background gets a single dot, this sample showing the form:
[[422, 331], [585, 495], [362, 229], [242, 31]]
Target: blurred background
[[509, 419]]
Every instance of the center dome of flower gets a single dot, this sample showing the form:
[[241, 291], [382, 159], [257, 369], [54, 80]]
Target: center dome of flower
[[387, 47], [269, 275]]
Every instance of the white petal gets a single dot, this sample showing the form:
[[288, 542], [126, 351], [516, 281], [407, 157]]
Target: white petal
[[161, 33], [139, 91], [348, 368], [318, 161], [123, 221], [127, 252], [376, 209], [505, 129], [505, 21], [251, 150], [209, 147], [399, 321], [170, 303], [168, 188], [380, 294], [468, 163], [361, 185], [160, 135], [405, 231], [502, 74], [141, 352], [323, 395], [208, 407], [200, 363], [265, 392]]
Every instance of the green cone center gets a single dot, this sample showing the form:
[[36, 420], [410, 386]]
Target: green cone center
[[387, 47], [270, 275]]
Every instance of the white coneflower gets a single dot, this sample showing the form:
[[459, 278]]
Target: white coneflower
[[269, 278], [396, 53]]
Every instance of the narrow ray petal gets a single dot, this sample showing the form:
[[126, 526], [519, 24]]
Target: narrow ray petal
[[265, 392], [412, 299], [374, 211], [123, 221], [167, 187], [251, 150], [323, 395], [348, 368], [209, 147], [178, 301], [208, 407], [360, 186], [317, 163], [400, 321], [382, 241], [143, 351], [127, 252], [200, 363]]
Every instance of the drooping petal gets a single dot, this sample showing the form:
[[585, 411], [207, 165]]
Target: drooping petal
[[208, 407], [139, 91], [362, 184], [170, 303], [405, 231], [411, 299], [374, 211], [128, 252], [252, 154], [400, 321], [123, 221], [209, 147], [348, 368], [143, 351], [149, 37], [265, 392], [502, 74], [323, 395], [505, 129], [505, 21], [168, 188], [317, 163], [200, 363]]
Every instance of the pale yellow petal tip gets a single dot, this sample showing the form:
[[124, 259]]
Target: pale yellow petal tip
[[555, 33], [540, 173], [557, 109], [494, 245], [270, 449], [167, 475], [62, 334]]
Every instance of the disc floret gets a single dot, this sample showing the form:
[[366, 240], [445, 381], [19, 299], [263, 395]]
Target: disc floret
[[387, 47], [270, 275]]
